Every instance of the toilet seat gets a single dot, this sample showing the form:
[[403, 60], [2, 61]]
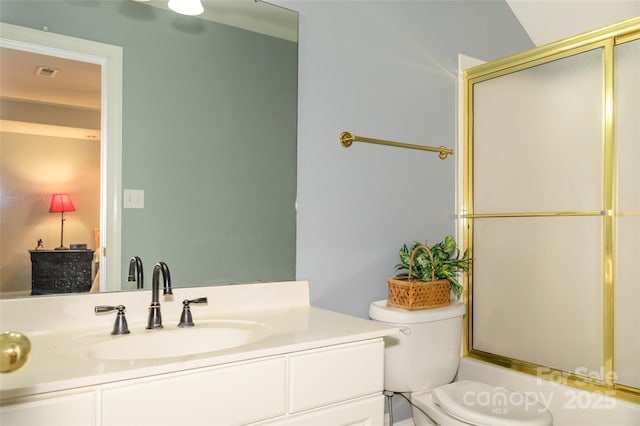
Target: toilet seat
[[484, 405]]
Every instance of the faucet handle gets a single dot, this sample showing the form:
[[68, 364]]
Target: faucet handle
[[120, 326], [186, 320]]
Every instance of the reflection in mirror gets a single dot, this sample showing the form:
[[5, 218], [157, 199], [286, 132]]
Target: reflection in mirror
[[47, 148], [45, 108], [208, 142]]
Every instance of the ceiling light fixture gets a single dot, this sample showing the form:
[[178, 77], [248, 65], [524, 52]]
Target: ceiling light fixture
[[186, 7]]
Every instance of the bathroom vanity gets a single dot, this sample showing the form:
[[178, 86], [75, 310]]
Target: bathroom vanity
[[258, 354]]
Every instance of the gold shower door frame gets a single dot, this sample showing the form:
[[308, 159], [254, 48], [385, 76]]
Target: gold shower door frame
[[605, 38]]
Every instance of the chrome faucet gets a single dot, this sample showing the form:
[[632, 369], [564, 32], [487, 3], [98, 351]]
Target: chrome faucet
[[136, 272], [155, 319]]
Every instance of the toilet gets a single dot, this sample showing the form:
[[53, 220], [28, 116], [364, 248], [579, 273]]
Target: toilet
[[421, 362]]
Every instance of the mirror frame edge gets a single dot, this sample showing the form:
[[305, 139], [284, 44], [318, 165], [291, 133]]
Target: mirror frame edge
[[110, 58]]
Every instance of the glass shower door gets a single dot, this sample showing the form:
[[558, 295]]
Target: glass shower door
[[627, 247], [537, 214]]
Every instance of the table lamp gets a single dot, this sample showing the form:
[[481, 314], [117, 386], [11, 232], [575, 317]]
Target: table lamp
[[61, 203]]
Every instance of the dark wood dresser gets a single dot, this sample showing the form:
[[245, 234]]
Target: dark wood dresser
[[60, 271]]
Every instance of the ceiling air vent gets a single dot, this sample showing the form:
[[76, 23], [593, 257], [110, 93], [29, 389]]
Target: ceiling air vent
[[46, 72]]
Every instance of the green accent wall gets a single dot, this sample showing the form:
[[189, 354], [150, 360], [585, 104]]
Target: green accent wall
[[209, 134]]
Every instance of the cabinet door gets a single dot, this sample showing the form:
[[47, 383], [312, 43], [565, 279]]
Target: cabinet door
[[364, 412], [232, 395], [327, 376], [69, 410]]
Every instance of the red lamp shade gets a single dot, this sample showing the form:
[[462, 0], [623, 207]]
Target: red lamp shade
[[61, 203]]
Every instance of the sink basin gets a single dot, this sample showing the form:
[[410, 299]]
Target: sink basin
[[165, 343]]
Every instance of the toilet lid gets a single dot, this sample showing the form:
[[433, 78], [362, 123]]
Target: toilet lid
[[481, 404]]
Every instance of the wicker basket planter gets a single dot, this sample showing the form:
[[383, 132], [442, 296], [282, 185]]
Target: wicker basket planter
[[412, 294]]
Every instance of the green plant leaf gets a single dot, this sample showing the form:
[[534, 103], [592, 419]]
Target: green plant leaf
[[446, 263]]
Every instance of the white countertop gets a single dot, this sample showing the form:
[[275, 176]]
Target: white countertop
[[56, 364]]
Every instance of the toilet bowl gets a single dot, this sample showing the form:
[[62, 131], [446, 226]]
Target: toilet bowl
[[467, 402], [421, 362]]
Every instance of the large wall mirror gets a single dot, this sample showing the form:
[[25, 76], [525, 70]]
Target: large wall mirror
[[208, 145]]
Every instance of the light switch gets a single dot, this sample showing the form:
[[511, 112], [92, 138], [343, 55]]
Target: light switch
[[133, 199]]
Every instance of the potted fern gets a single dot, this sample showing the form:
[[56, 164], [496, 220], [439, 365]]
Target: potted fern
[[426, 275]]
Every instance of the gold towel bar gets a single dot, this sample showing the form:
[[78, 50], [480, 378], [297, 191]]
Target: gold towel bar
[[346, 139], [538, 214]]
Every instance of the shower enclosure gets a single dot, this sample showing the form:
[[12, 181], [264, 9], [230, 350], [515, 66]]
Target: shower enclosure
[[551, 210]]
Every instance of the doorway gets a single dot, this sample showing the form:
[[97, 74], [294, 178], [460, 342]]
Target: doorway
[[109, 60]]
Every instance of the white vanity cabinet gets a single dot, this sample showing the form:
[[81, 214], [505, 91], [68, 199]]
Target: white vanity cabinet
[[61, 408], [234, 394], [311, 367], [339, 384], [363, 412], [336, 385]]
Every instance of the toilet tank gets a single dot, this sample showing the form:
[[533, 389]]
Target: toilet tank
[[426, 352]]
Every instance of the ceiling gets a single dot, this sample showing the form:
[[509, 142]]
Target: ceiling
[[547, 21], [75, 84]]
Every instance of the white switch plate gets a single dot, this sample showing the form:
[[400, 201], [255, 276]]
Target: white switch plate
[[134, 199]]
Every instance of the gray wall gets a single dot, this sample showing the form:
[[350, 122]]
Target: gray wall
[[190, 132], [384, 69]]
